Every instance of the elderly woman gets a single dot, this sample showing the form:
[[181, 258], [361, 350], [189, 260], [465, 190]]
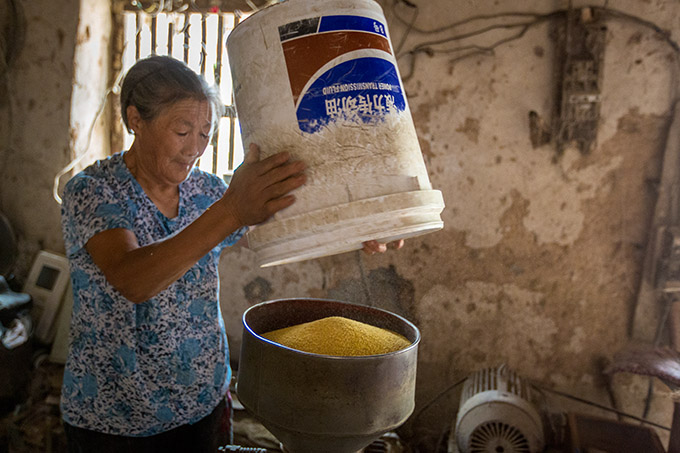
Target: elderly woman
[[148, 367]]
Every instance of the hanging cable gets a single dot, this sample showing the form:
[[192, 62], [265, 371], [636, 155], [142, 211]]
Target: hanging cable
[[115, 89], [433, 47], [409, 26], [599, 406], [155, 11]]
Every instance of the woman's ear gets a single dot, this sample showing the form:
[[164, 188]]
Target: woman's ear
[[134, 119]]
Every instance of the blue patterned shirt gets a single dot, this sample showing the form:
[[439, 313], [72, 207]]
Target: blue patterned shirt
[[140, 369]]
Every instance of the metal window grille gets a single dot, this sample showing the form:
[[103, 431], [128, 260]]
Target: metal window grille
[[197, 38]]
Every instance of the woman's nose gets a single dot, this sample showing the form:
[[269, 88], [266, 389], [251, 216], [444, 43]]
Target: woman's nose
[[197, 145]]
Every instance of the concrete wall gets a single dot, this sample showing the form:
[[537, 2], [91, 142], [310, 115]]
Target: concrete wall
[[540, 260], [37, 114], [54, 90]]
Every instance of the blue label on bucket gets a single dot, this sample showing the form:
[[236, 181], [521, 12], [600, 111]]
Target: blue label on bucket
[[330, 23], [364, 89], [358, 23], [340, 67]]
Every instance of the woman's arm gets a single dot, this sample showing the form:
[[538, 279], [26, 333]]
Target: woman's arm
[[258, 189]]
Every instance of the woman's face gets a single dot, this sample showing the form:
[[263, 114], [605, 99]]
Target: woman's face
[[169, 145]]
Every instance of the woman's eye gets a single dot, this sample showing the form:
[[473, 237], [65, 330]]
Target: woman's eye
[[205, 136], [182, 134]]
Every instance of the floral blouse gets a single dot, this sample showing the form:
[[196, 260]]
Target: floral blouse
[[140, 369]]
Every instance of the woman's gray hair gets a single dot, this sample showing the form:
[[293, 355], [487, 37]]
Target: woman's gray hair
[[155, 83]]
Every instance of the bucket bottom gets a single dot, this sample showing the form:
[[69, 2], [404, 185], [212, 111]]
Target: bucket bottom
[[343, 228]]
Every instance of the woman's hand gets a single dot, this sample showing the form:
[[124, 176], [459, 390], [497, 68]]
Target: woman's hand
[[372, 247], [260, 188]]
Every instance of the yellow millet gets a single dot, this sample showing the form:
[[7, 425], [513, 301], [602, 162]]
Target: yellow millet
[[338, 336]]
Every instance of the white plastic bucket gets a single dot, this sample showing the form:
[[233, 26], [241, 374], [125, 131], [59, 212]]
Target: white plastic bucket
[[318, 78]]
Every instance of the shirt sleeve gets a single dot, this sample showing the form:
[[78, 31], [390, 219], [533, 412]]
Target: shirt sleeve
[[234, 237], [90, 206], [216, 186]]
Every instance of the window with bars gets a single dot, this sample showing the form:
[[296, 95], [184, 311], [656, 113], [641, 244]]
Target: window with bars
[[198, 39]]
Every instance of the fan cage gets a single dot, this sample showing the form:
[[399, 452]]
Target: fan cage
[[498, 437]]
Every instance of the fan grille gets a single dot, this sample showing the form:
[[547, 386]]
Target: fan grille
[[497, 437]]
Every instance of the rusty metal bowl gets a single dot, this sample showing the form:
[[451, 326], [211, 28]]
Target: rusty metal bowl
[[317, 403]]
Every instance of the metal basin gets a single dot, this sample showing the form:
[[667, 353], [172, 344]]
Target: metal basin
[[316, 403]]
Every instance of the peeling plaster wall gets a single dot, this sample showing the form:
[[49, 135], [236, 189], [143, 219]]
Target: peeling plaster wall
[[37, 110], [540, 259], [54, 90]]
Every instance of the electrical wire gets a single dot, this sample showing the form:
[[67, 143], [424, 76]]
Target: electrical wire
[[153, 12], [452, 25], [254, 8], [81, 155], [599, 406], [437, 397], [113, 89], [430, 48], [616, 14], [441, 434], [535, 20], [409, 25]]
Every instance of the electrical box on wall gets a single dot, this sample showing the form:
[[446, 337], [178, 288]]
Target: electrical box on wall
[[580, 52]]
